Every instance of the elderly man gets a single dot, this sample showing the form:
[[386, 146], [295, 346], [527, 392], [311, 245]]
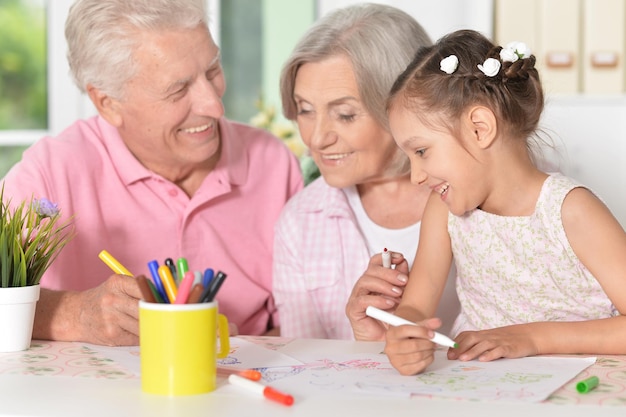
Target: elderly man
[[158, 173]]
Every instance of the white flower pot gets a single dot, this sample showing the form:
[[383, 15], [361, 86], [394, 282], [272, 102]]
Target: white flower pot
[[17, 315]]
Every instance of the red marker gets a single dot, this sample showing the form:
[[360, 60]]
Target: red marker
[[268, 392], [386, 258]]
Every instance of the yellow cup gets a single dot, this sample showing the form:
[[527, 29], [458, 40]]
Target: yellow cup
[[178, 347]]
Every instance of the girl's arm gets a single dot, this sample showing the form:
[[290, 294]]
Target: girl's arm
[[408, 347], [599, 241]]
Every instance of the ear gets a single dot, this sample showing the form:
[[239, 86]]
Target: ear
[[107, 106], [484, 125]]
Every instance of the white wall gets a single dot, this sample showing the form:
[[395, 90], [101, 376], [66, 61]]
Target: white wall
[[590, 139], [438, 17]]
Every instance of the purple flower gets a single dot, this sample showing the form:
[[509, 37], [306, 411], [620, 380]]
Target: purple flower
[[45, 208]]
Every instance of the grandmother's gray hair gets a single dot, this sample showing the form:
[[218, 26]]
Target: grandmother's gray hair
[[102, 36], [379, 40]]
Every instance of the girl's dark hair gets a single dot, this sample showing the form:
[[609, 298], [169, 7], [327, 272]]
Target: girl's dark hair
[[514, 94]]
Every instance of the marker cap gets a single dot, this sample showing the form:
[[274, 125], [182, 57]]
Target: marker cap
[[587, 385]]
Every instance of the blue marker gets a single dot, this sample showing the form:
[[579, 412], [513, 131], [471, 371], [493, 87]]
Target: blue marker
[[154, 271], [208, 277]]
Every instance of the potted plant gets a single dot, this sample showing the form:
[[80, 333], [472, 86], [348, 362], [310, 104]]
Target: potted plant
[[31, 237]]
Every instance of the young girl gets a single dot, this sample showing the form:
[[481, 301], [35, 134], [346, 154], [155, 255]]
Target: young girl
[[541, 261]]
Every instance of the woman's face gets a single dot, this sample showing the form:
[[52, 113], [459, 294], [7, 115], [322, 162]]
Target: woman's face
[[346, 142]]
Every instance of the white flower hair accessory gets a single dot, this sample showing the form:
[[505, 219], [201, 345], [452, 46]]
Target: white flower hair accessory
[[490, 67], [514, 51], [449, 64]]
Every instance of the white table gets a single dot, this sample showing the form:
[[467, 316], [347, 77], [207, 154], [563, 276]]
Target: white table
[[88, 396]]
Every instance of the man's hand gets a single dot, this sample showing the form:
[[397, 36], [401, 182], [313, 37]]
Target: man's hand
[[106, 315]]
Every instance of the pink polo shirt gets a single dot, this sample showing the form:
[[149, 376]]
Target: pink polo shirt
[[138, 216]]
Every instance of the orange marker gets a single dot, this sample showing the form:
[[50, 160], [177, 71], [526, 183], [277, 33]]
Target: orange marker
[[260, 389], [251, 374], [168, 282]]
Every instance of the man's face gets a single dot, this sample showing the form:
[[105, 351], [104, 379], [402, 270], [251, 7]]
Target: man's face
[[168, 114]]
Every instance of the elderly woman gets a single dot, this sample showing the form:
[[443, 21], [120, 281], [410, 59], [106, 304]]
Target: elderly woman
[[334, 85]]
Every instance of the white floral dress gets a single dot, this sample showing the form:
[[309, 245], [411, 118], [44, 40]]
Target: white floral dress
[[515, 270]]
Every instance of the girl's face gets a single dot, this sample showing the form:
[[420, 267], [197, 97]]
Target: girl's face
[[439, 160], [346, 142]]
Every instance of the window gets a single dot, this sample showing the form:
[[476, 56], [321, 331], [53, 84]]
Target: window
[[255, 36]]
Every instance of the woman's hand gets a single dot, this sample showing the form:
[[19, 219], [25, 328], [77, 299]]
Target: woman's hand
[[379, 287]]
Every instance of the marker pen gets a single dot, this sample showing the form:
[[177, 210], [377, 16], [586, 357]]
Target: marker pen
[[146, 293], [168, 283], [184, 288], [256, 387], [170, 264], [183, 267], [386, 258], [195, 294], [113, 263], [153, 266], [207, 277], [214, 287], [251, 374], [587, 385], [197, 277], [394, 320]]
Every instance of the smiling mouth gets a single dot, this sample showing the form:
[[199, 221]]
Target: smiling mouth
[[442, 189], [335, 156], [198, 129]]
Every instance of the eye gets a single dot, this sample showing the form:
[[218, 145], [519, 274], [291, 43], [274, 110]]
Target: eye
[[420, 152], [213, 72], [303, 109], [178, 94], [347, 117]]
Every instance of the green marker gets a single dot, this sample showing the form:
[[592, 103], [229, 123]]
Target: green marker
[[587, 385]]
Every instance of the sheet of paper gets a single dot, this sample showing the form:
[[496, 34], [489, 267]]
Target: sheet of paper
[[243, 354], [530, 379], [349, 368]]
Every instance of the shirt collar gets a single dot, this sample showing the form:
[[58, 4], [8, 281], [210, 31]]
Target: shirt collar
[[232, 166]]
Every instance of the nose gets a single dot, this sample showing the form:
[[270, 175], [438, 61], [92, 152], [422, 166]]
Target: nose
[[207, 99], [418, 176], [321, 133]]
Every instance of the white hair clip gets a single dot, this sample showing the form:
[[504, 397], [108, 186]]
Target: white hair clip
[[449, 64], [514, 51], [490, 67]]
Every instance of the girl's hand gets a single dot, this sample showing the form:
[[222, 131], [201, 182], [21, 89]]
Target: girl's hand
[[379, 287], [408, 347], [487, 345]]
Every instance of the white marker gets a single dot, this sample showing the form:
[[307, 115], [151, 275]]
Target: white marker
[[394, 320], [386, 258]]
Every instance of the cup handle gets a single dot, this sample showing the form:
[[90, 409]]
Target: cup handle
[[222, 331]]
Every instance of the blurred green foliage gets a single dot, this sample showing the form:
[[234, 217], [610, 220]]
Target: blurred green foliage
[[23, 64]]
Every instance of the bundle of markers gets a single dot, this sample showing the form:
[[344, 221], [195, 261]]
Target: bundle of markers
[[170, 284], [179, 285]]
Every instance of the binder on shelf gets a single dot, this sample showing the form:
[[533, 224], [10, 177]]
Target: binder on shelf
[[559, 63], [604, 46], [517, 20]]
